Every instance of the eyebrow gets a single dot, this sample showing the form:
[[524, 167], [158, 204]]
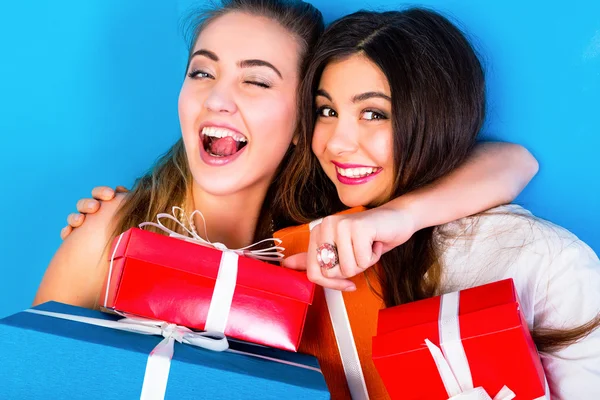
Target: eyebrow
[[241, 64], [369, 95], [205, 53], [359, 97], [258, 63]]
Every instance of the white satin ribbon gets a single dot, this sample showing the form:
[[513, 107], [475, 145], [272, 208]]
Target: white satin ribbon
[[345, 340], [451, 344], [452, 384], [222, 297], [220, 303], [451, 360], [158, 365], [271, 253]]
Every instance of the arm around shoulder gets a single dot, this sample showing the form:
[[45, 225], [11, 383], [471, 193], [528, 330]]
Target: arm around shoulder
[[77, 271], [494, 174]]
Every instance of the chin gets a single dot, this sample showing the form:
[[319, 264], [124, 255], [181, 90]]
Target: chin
[[354, 200], [217, 186]]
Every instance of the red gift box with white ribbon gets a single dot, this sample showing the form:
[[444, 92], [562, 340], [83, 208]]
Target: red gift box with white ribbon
[[188, 283], [472, 344]]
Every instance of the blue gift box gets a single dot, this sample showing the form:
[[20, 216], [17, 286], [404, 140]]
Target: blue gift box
[[43, 357]]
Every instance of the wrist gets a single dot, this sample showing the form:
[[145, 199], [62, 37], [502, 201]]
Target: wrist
[[409, 211]]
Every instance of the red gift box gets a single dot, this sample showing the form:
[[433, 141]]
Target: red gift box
[[484, 338], [173, 280]]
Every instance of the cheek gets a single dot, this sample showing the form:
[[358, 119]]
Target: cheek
[[187, 105], [272, 118], [319, 140], [380, 147]]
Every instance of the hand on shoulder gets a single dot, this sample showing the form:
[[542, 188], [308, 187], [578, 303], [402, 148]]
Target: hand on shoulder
[[76, 273]]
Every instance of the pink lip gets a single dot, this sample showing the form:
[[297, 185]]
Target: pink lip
[[217, 161], [355, 181], [346, 166]]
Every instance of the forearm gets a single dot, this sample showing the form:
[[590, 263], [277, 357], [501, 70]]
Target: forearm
[[494, 174]]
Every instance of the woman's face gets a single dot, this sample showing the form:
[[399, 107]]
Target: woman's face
[[353, 131], [237, 106]]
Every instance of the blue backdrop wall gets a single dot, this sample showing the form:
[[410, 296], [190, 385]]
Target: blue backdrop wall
[[89, 94]]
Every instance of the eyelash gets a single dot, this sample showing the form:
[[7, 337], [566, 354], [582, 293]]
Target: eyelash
[[194, 74], [323, 108], [259, 84], [380, 115], [199, 74], [377, 115]]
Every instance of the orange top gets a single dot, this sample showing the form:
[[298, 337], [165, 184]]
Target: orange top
[[318, 338]]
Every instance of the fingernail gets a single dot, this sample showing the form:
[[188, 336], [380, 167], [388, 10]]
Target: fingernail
[[90, 204], [350, 288], [78, 217], [107, 192]]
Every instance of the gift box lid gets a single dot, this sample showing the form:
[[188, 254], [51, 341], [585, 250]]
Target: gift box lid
[[482, 310], [42, 356], [204, 261]]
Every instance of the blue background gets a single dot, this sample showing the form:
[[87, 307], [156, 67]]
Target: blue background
[[88, 96]]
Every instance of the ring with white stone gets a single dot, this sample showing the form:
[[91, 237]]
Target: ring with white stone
[[327, 256]]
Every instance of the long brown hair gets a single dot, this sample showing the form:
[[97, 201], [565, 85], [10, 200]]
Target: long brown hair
[[438, 102], [169, 181]]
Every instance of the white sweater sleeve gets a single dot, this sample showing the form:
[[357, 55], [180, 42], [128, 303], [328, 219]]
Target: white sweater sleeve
[[570, 297]]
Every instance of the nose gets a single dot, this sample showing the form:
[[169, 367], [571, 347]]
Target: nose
[[220, 99], [344, 138]]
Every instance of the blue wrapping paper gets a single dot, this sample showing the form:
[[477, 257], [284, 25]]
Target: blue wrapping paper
[[45, 357]]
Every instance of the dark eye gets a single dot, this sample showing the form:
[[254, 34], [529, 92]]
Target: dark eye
[[371, 115], [198, 74], [326, 112]]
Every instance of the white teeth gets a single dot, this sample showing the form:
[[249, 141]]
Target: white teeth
[[355, 172], [217, 132]]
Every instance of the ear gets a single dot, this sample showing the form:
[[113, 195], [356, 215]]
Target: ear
[[295, 139]]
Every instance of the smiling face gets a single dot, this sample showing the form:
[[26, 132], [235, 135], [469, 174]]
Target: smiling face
[[353, 131], [237, 105]]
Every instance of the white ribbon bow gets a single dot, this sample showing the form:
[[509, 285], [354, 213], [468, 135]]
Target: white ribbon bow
[[159, 360], [452, 385], [452, 363], [272, 253]]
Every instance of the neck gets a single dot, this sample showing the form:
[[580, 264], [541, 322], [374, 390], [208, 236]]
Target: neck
[[230, 220]]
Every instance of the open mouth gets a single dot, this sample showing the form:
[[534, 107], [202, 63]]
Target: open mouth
[[222, 142], [357, 173]]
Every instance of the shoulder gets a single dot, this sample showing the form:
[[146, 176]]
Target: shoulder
[[512, 231], [551, 267], [76, 272]]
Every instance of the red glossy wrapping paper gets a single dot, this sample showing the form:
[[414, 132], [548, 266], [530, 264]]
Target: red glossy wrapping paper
[[494, 334], [159, 277]]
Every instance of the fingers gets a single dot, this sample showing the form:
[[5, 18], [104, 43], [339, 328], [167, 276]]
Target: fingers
[[297, 262], [354, 241], [104, 193], [366, 251], [88, 206], [313, 270], [75, 220], [66, 231], [376, 252], [347, 267]]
